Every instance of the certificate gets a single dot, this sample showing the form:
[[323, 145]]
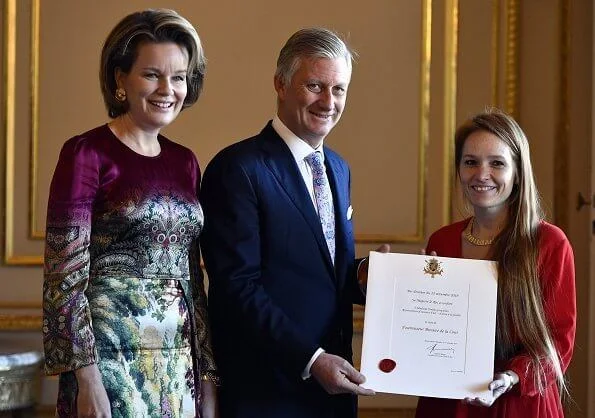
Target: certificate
[[429, 326]]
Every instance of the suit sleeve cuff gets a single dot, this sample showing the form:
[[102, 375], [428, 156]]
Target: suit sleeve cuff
[[306, 373]]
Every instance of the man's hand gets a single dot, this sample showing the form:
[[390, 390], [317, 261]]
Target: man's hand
[[502, 383], [336, 375], [362, 269]]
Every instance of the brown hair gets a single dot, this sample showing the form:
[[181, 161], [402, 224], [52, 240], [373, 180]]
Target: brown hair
[[120, 50], [516, 250]]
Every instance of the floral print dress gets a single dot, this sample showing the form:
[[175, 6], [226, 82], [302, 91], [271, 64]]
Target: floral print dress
[[122, 284]]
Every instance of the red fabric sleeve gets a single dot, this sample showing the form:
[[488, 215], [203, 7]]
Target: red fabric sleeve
[[556, 269]]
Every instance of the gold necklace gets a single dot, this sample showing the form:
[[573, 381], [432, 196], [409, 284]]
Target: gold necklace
[[467, 233]]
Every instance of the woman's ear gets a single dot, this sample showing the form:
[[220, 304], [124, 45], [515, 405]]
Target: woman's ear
[[119, 76]]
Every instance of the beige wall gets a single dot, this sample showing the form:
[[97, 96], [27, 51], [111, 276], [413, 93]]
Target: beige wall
[[423, 66]]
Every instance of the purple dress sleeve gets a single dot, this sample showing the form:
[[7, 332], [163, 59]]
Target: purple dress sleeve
[[199, 298], [67, 330]]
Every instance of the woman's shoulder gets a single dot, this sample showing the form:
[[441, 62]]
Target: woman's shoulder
[[176, 148], [454, 229], [551, 236], [446, 240], [89, 141]]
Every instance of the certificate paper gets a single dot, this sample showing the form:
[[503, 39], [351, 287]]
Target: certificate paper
[[429, 325]]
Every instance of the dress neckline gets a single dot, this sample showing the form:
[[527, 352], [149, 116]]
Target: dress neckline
[[130, 150]]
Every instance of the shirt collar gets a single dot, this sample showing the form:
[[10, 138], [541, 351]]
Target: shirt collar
[[298, 147]]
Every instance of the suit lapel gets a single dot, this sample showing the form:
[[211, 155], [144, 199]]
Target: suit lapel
[[282, 165]]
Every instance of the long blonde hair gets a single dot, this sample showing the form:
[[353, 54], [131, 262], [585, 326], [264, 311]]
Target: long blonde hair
[[516, 250]]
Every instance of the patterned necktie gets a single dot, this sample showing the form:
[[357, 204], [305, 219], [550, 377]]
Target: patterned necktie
[[324, 200]]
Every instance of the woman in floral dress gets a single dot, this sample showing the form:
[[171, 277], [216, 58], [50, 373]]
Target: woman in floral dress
[[125, 324]]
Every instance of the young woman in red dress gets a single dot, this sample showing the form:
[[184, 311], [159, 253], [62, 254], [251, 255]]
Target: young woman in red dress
[[536, 315]]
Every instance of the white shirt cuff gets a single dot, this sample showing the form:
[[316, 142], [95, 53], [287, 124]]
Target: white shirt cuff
[[306, 373]]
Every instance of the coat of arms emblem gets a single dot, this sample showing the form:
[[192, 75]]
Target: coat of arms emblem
[[433, 267]]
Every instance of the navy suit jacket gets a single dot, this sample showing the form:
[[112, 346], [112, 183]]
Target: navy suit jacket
[[274, 294]]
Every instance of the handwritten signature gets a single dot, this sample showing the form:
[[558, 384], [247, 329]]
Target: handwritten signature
[[440, 350]]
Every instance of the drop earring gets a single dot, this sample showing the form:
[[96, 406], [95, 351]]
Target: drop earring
[[120, 94]]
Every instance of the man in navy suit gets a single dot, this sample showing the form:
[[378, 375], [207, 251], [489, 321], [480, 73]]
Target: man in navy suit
[[281, 282]]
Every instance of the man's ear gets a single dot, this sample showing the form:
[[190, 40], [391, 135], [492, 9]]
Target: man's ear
[[279, 86]]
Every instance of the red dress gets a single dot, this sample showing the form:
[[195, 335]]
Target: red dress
[[556, 271]]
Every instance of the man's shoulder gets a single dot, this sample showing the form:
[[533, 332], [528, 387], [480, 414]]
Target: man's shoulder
[[334, 157], [243, 147], [244, 151], [332, 153], [239, 148]]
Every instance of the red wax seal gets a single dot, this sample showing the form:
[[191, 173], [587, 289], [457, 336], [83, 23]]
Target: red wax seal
[[387, 365]]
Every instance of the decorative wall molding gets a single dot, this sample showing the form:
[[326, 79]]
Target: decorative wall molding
[[508, 58], [562, 138], [495, 52], [512, 69], [358, 319], [34, 231], [451, 36], [11, 318], [9, 63], [20, 322], [424, 126]]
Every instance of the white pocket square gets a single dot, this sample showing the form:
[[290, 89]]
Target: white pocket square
[[349, 212]]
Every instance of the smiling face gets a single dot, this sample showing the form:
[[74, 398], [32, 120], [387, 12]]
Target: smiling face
[[312, 103], [487, 172], [155, 85]]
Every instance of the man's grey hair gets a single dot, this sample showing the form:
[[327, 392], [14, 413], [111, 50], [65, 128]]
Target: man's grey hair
[[310, 43]]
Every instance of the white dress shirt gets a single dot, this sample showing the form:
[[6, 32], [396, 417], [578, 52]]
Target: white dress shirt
[[300, 149]]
